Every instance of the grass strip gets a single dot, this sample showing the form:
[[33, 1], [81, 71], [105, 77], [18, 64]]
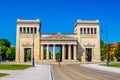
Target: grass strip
[[117, 65], [14, 66], [3, 74]]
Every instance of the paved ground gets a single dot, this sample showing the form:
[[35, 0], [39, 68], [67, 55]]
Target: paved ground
[[77, 72], [104, 68], [40, 72]]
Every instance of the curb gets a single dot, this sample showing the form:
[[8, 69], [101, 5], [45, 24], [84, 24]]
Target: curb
[[50, 72]]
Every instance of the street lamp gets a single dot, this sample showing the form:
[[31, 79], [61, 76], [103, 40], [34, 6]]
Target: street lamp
[[0, 55], [107, 55], [33, 64]]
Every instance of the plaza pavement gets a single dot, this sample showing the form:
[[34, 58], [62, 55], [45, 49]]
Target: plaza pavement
[[39, 72], [104, 68], [43, 72]]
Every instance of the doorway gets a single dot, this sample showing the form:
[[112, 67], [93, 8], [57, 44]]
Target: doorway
[[88, 54], [27, 54]]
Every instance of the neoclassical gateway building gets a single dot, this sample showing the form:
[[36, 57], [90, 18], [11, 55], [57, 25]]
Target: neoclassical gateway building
[[83, 45]]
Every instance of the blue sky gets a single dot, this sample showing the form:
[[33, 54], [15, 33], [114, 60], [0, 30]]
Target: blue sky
[[60, 15]]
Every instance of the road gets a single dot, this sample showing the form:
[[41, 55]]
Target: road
[[77, 72]]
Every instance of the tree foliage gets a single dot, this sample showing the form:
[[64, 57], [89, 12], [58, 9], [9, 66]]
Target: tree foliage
[[4, 42], [45, 51], [29, 55], [45, 54], [117, 53], [4, 45], [10, 54], [102, 50], [3, 50], [58, 55]]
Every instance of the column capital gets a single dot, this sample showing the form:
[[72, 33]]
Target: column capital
[[54, 44]]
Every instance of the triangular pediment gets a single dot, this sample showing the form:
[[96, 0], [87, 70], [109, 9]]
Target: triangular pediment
[[58, 36]]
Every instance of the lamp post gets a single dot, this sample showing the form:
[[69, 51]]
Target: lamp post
[[33, 64], [0, 55], [107, 55]]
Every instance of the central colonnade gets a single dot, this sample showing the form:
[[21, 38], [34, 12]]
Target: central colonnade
[[68, 51]]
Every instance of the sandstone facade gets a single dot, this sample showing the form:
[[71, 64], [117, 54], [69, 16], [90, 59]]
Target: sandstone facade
[[83, 45]]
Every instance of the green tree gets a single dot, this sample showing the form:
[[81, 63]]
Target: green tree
[[45, 51], [45, 54], [3, 50], [10, 54], [117, 53], [58, 55], [4, 42], [50, 55], [102, 50], [4, 45], [29, 55]]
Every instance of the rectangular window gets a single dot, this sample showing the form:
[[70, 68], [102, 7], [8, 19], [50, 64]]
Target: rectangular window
[[88, 30], [27, 30], [24, 30], [95, 30], [84, 30], [35, 30], [20, 29], [31, 30], [81, 31], [91, 30]]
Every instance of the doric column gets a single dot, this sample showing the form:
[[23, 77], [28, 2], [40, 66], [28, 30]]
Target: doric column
[[86, 30], [75, 52], [69, 52], [29, 29], [63, 52], [22, 30], [26, 30], [89, 30], [82, 30], [47, 52], [42, 52], [93, 31], [54, 52]]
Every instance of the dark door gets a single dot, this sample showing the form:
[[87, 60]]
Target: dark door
[[89, 54], [27, 54]]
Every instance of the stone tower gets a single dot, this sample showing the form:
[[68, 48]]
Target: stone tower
[[28, 34], [88, 40]]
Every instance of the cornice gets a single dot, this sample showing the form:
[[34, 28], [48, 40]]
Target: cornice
[[20, 21], [86, 22]]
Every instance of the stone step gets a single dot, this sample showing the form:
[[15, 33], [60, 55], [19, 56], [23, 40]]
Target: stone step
[[55, 62]]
